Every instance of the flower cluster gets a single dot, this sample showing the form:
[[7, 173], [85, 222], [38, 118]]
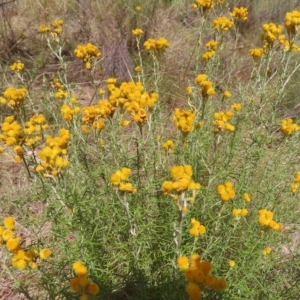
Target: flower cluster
[[288, 44], [54, 154], [239, 13], [226, 191], [68, 111], [159, 45], [240, 212], [86, 53], [168, 146], [206, 86], [211, 47], [271, 33], [295, 184], [266, 219], [120, 179], [181, 183], [288, 127], [94, 115], [292, 22], [17, 67], [34, 130], [221, 121], [184, 120], [60, 89], [198, 275], [256, 52], [205, 5], [56, 28], [131, 97], [13, 97], [11, 132], [197, 228], [81, 284], [20, 258], [222, 24]]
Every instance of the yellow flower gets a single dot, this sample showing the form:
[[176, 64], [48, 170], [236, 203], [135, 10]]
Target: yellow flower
[[211, 45], [13, 244], [15, 97], [197, 229], [74, 282], [45, 253], [292, 21], [206, 5], [231, 264], [288, 127], [236, 106], [182, 262], [138, 8], [227, 94], [79, 269], [240, 13], [199, 124], [208, 55], [256, 52], [93, 288], [125, 123], [189, 91], [267, 251], [226, 191], [222, 24], [246, 197], [168, 145], [219, 284], [193, 291], [17, 66], [7, 234], [9, 223], [160, 44], [137, 32], [138, 69]]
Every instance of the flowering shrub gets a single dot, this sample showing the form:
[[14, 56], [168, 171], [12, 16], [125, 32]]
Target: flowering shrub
[[107, 192]]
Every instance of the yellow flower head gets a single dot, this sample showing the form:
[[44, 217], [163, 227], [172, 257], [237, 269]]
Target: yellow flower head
[[292, 21], [13, 244], [267, 251], [240, 13], [193, 290], [236, 106], [256, 52], [80, 269], [45, 253], [93, 288], [168, 145], [222, 24], [226, 191], [17, 66], [9, 223], [231, 264], [227, 94], [137, 32], [182, 262]]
